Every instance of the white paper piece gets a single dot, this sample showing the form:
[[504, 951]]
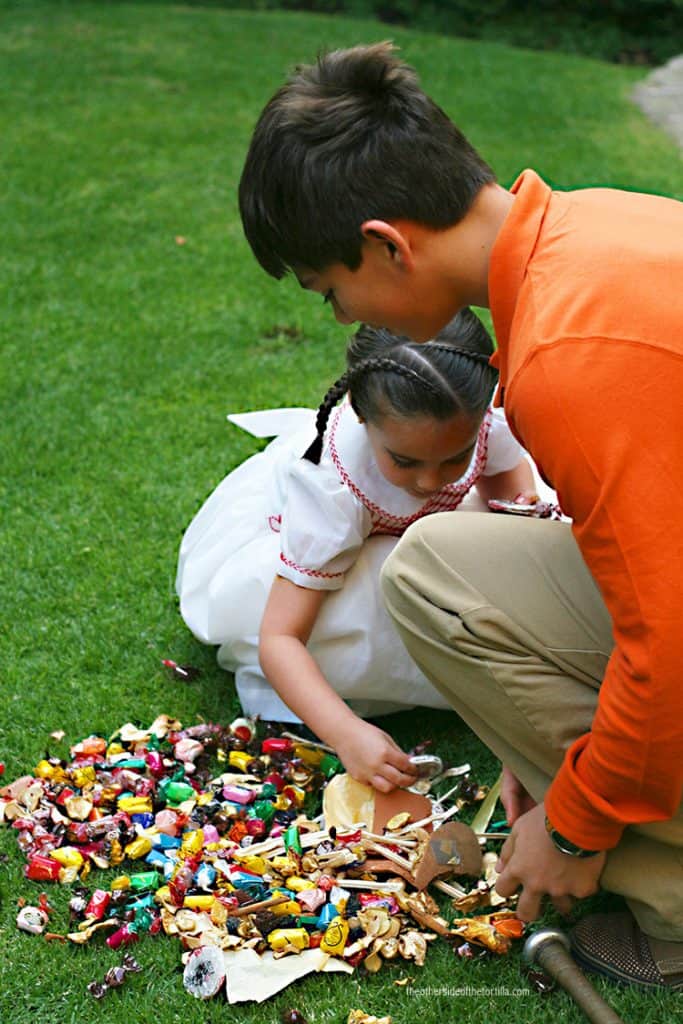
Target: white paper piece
[[250, 976], [273, 422]]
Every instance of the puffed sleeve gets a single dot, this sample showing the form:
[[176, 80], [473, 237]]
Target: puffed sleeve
[[504, 451], [323, 527]]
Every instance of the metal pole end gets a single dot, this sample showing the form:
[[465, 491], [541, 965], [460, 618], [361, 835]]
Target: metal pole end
[[538, 939]]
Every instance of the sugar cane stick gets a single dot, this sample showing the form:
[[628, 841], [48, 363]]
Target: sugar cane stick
[[450, 888], [309, 743], [402, 862], [365, 883], [433, 818], [390, 839], [251, 908]]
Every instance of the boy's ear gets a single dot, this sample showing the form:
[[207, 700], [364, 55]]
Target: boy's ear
[[397, 243]]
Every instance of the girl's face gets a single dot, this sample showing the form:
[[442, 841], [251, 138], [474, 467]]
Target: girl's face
[[421, 454]]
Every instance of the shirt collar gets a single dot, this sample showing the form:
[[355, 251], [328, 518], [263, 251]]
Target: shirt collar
[[510, 256]]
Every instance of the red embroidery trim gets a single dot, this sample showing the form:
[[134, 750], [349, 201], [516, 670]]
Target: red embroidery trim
[[310, 572], [446, 500]]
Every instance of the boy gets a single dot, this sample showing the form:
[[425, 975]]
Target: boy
[[559, 646]]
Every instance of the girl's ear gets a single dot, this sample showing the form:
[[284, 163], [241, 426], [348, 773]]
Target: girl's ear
[[395, 241]]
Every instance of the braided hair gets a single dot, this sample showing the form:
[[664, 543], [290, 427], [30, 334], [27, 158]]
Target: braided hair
[[389, 374]]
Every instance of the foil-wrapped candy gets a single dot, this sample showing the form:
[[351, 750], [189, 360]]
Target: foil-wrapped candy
[[493, 931], [536, 509], [412, 945], [32, 920], [385, 947], [376, 921], [114, 977], [489, 861], [477, 897], [86, 931]]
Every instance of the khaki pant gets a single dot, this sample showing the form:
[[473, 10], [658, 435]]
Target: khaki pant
[[502, 615]]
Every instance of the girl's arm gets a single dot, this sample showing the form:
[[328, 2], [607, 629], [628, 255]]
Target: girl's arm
[[508, 485], [368, 754]]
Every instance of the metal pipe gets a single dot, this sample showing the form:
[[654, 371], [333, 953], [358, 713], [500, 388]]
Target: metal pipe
[[550, 949]]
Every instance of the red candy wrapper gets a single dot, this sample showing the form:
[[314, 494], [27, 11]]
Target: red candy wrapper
[[98, 903], [42, 869]]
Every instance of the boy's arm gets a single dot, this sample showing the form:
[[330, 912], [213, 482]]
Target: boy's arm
[[509, 484], [367, 753], [604, 422]]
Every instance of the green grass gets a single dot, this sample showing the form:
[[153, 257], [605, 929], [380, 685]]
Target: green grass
[[122, 351]]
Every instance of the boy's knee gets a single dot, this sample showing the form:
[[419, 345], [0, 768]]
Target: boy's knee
[[389, 576], [397, 576], [442, 561]]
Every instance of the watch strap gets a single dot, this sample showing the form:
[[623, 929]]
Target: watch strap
[[565, 845]]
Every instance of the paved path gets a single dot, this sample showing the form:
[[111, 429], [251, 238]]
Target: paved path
[[660, 96]]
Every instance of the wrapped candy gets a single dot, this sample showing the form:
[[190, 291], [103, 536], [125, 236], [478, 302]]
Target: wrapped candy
[[231, 863], [97, 905], [126, 935], [204, 972], [493, 931], [282, 938], [335, 937], [114, 977], [185, 672], [32, 920], [42, 869], [277, 745]]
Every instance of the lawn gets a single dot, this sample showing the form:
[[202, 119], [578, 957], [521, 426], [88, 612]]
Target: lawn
[[133, 319]]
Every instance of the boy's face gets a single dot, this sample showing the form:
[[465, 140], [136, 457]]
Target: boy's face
[[383, 292]]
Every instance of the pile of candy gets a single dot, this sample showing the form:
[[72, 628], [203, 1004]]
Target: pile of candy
[[236, 866]]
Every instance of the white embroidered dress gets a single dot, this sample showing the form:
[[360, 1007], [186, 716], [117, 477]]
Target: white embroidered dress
[[326, 527]]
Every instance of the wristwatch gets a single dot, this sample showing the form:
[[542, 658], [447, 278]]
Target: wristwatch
[[565, 845]]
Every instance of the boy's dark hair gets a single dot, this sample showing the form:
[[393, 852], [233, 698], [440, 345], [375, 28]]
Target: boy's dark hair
[[388, 374], [351, 138]]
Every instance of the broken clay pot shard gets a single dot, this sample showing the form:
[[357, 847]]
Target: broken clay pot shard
[[453, 849]]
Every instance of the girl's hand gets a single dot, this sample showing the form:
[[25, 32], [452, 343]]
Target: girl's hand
[[370, 756], [515, 484], [526, 498], [514, 797]]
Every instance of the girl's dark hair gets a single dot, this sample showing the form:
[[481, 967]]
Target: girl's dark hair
[[388, 374], [347, 139]]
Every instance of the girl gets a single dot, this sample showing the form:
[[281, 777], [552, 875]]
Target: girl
[[281, 564]]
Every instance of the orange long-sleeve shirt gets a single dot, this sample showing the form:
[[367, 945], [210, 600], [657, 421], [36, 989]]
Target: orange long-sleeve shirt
[[586, 293]]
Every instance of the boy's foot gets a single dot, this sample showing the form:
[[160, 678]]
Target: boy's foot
[[614, 945]]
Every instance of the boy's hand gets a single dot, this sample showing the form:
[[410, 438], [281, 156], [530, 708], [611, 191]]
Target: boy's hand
[[529, 861], [371, 756], [514, 797]]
